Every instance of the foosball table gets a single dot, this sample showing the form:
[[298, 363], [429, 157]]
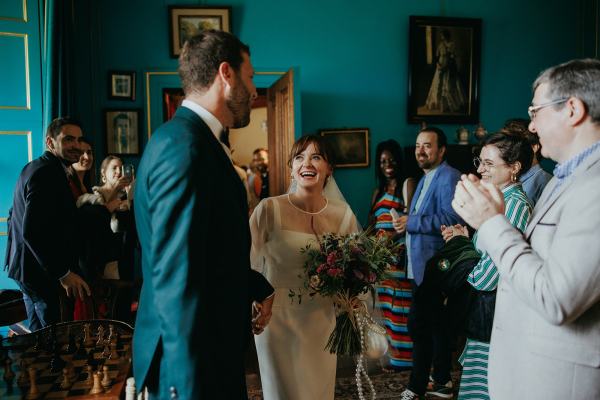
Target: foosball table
[[74, 360]]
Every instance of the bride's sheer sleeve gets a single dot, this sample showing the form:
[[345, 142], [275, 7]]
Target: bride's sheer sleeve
[[349, 223], [261, 222]]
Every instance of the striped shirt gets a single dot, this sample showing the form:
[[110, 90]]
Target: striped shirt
[[474, 359], [517, 210]]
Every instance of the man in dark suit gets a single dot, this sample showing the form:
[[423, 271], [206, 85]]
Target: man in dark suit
[[191, 210], [42, 226]]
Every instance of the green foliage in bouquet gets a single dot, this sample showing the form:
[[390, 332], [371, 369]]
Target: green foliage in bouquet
[[344, 267]]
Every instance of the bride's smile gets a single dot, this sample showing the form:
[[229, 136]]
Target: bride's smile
[[309, 168]]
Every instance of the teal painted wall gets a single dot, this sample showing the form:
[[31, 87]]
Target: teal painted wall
[[21, 133], [352, 57]]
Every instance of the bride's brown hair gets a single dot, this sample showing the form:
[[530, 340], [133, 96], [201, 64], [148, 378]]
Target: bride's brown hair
[[322, 146]]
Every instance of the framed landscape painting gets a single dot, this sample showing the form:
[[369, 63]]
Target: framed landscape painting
[[185, 22]]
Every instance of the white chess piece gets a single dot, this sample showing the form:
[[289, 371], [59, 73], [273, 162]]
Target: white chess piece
[[130, 389]]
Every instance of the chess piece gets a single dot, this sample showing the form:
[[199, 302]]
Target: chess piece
[[114, 355], [90, 358], [22, 378], [80, 354], [9, 375], [97, 388], [100, 341], [130, 389], [89, 380], [38, 342], [111, 333], [71, 346], [88, 340], [65, 384], [33, 392], [72, 373], [106, 381], [106, 352]]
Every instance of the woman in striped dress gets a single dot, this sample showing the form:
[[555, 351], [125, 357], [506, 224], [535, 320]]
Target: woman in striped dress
[[503, 158], [394, 294]]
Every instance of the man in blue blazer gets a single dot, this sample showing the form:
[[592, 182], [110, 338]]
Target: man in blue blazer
[[194, 320], [42, 228], [429, 210]]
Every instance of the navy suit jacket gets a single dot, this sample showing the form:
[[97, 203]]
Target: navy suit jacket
[[192, 219], [435, 211], [42, 225]]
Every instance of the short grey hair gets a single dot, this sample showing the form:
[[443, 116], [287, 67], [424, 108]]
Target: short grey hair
[[575, 78]]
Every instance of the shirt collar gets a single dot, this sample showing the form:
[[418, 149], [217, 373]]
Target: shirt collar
[[209, 119], [565, 169], [532, 171]]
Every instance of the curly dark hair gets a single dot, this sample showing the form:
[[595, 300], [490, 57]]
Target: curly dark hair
[[513, 147]]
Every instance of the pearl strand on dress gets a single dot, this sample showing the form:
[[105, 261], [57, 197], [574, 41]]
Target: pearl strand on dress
[[360, 362]]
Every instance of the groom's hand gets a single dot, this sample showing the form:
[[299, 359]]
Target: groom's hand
[[261, 314]]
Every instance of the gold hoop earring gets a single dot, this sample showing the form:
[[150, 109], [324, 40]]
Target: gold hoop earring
[[513, 177]]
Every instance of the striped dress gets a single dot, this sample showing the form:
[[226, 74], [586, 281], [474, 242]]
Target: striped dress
[[395, 294], [474, 359]]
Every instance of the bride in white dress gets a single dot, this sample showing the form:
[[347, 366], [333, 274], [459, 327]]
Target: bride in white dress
[[294, 364]]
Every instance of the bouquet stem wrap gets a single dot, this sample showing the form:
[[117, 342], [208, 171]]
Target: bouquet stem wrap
[[345, 338]]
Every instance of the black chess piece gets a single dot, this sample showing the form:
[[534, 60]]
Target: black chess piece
[[71, 346], [38, 342], [80, 354], [57, 363], [91, 361]]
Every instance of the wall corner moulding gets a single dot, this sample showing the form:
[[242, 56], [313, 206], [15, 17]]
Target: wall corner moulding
[[13, 11]]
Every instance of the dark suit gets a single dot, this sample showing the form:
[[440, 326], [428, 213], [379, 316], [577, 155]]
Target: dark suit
[[41, 233], [193, 323]]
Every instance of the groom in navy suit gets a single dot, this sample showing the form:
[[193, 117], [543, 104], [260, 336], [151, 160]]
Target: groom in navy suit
[[194, 320], [430, 209]]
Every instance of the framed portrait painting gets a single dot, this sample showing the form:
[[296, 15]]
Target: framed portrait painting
[[443, 74], [122, 131], [121, 85], [350, 146], [185, 22]]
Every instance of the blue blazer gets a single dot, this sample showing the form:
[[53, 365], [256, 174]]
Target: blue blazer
[[436, 210], [193, 322]]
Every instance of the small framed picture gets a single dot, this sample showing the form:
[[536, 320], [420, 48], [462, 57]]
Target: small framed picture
[[350, 146], [121, 85], [185, 22], [122, 131]]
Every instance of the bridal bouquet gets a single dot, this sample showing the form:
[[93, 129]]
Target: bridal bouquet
[[344, 267]]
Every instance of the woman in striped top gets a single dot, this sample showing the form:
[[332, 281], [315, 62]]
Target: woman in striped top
[[502, 159], [394, 295]]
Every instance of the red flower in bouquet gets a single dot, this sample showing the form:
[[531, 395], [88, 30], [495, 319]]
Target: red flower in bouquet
[[343, 267]]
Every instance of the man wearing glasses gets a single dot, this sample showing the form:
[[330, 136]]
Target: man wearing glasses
[[546, 335]]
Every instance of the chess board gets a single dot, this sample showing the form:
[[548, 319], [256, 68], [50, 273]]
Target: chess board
[[38, 349]]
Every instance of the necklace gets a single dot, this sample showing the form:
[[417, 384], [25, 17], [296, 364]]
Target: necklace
[[308, 212]]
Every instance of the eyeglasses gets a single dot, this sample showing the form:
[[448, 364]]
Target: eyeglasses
[[488, 165], [532, 110]]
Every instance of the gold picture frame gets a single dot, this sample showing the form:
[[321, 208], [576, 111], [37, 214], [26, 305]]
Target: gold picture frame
[[350, 146], [185, 22]]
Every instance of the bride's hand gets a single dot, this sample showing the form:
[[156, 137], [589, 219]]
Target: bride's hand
[[261, 314]]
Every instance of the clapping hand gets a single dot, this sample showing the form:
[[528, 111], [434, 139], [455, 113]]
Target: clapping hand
[[261, 314], [448, 232], [477, 201]]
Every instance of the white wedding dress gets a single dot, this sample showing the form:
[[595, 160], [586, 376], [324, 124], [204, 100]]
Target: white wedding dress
[[294, 364]]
